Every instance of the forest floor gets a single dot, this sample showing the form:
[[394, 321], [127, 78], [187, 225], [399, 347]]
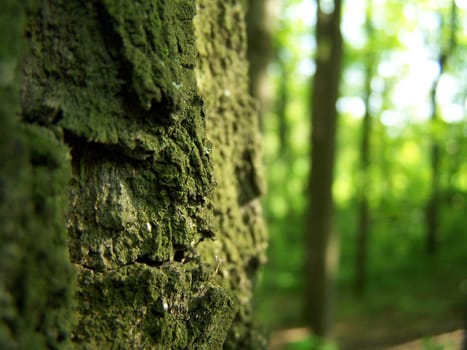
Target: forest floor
[[418, 308], [377, 339], [415, 315], [451, 340], [414, 303], [396, 333]]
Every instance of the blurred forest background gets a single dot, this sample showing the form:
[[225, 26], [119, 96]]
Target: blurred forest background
[[397, 217]]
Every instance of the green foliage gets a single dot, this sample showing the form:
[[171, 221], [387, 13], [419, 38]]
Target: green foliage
[[399, 272], [312, 343], [429, 344]]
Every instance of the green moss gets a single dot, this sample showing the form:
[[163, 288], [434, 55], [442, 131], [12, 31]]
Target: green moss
[[47, 278], [232, 127], [167, 307], [13, 157], [211, 315], [36, 283], [122, 88], [116, 81], [39, 283]]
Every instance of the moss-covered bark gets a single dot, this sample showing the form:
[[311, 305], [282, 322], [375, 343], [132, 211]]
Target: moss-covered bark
[[232, 126], [36, 277], [155, 149]]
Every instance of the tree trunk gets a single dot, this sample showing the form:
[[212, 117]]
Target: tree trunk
[[36, 277], [150, 136], [433, 202], [363, 226], [260, 26], [281, 107], [233, 129], [322, 241]]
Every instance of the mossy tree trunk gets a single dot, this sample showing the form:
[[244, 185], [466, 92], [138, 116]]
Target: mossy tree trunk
[[36, 276], [137, 115]]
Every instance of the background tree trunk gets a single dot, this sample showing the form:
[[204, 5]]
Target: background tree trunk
[[433, 205], [281, 107], [363, 225], [260, 19], [322, 241], [156, 150]]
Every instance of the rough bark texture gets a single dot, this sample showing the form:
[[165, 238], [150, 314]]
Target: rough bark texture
[[160, 168], [36, 277], [232, 126]]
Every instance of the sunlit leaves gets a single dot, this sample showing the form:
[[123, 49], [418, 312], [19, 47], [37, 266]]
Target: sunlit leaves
[[403, 48]]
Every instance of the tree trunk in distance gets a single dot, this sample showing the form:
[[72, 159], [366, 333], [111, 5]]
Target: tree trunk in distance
[[131, 176], [363, 227], [321, 264], [261, 16], [433, 202], [281, 107]]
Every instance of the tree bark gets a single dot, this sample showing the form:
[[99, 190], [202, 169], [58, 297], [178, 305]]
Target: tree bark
[[322, 241], [233, 128], [36, 277], [128, 115]]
